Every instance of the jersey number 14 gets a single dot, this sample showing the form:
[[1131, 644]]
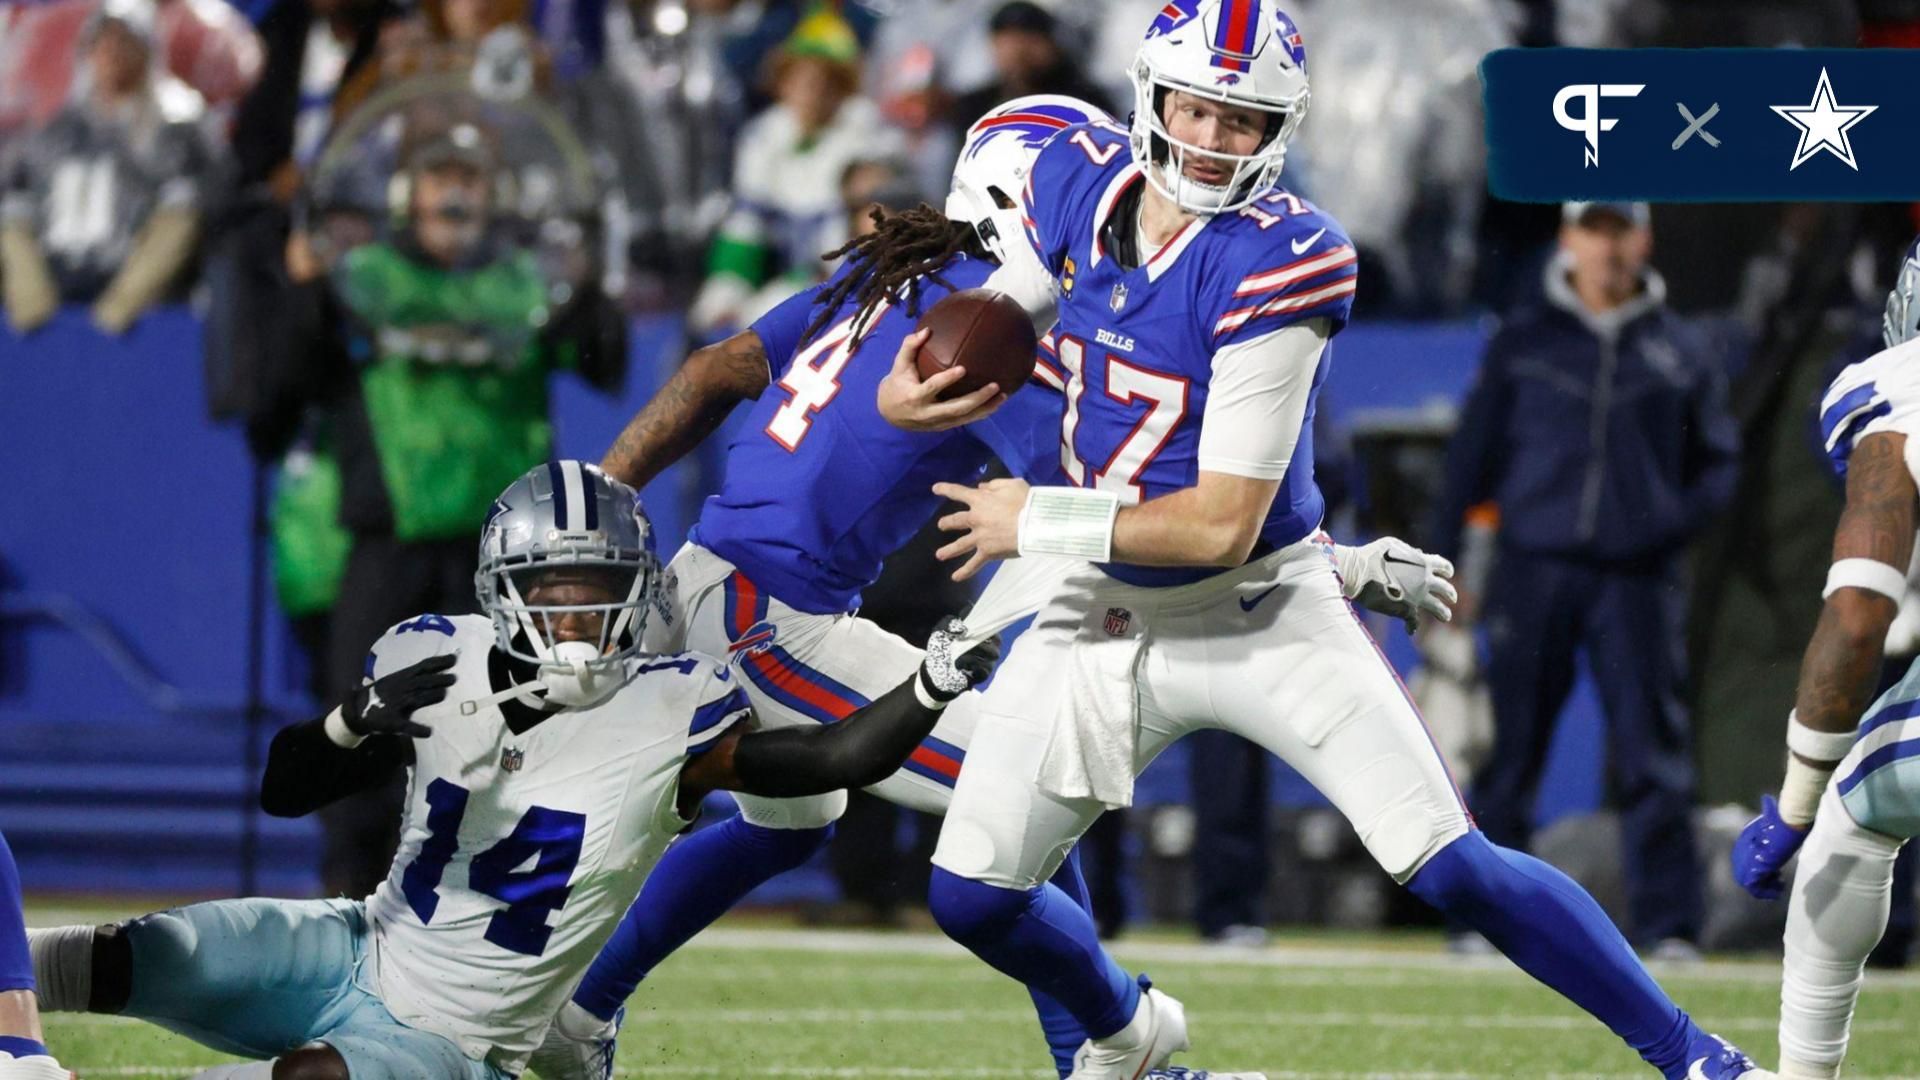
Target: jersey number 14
[[550, 839]]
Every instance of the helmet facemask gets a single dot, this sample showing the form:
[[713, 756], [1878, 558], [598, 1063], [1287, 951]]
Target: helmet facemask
[[1163, 158], [579, 639], [1901, 320]]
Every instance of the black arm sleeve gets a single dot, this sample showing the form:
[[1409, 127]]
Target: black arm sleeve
[[306, 770], [863, 749]]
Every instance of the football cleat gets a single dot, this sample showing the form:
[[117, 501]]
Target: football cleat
[[1157, 1031], [1711, 1057], [1178, 1072], [578, 1046]]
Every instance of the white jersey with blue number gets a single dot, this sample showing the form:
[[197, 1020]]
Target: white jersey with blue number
[[520, 853], [1880, 393]]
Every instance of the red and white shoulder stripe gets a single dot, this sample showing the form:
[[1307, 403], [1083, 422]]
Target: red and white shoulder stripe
[[1301, 284]]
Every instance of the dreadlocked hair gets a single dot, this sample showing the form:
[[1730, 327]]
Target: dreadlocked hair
[[904, 249]]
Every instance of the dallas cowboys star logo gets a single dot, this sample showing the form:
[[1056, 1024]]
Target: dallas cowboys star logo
[[1823, 125]]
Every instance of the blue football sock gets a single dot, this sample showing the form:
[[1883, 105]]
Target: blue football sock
[[697, 880], [1042, 938], [22, 1048], [1547, 924], [16, 963], [1064, 1033]]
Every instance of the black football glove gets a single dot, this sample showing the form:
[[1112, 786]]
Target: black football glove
[[953, 666], [386, 706]]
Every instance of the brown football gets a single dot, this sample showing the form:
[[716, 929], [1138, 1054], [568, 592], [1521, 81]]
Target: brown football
[[984, 331]]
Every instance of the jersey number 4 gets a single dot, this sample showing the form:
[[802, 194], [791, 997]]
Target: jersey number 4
[[813, 380], [1129, 384], [549, 839]]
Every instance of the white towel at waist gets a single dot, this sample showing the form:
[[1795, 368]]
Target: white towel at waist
[[1090, 752]]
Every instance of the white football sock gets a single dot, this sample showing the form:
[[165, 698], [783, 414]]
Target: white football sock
[[1841, 894], [62, 967]]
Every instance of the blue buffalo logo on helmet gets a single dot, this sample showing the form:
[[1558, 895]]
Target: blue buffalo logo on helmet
[[1289, 37], [1033, 121], [1172, 17]]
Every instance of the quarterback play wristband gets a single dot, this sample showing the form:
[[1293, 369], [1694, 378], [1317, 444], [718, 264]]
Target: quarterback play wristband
[[1073, 522], [1869, 574]]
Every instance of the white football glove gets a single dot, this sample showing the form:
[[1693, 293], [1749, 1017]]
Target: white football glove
[[1395, 578]]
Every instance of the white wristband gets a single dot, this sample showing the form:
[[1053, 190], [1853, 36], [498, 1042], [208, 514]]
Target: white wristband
[[1069, 521], [927, 700], [1801, 790], [338, 731], [1869, 574], [1822, 746]]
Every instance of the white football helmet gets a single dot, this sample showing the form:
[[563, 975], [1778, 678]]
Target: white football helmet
[[998, 154], [1246, 53]]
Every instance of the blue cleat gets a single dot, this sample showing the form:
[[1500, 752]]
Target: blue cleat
[[1711, 1057]]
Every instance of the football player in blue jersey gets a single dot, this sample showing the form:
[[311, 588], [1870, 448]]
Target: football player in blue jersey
[[1856, 765], [818, 490], [1196, 302], [23, 1050]]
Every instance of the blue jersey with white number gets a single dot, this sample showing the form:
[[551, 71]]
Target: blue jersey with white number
[[819, 487], [520, 852], [1136, 346]]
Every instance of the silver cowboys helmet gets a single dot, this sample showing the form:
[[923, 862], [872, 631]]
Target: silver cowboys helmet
[[566, 521], [1902, 319]]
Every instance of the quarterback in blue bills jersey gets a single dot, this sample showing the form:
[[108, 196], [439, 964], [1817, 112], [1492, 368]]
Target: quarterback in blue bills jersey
[[819, 488], [1196, 301]]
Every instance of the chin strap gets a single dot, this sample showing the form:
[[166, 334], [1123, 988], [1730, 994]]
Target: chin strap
[[531, 694]]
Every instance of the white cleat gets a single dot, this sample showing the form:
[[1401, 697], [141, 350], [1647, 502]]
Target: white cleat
[[1157, 1031], [1177, 1072], [38, 1067], [578, 1046]]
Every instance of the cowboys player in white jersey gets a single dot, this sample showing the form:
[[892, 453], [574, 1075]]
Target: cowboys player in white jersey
[[1851, 797], [550, 764]]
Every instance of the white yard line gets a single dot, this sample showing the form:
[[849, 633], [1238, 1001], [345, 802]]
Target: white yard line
[[1277, 956]]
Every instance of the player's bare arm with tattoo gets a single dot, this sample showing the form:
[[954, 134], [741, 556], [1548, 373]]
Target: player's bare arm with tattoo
[[689, 407], [1842, 665]]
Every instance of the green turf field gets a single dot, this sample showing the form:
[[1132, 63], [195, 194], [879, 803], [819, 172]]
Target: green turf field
[[752, 1000]]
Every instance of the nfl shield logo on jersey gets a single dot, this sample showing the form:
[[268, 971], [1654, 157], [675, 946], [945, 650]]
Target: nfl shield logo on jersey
[[1117, 621], [512, 758], [1119, 298]]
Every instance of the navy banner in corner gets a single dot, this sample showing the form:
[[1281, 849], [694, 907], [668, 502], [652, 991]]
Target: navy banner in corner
[[1703, 125]]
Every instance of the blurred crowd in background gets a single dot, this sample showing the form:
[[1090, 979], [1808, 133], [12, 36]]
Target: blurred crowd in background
[[396, 221]]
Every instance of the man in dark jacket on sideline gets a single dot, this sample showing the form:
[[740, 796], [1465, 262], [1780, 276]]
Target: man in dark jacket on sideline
[[1599, 426]]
